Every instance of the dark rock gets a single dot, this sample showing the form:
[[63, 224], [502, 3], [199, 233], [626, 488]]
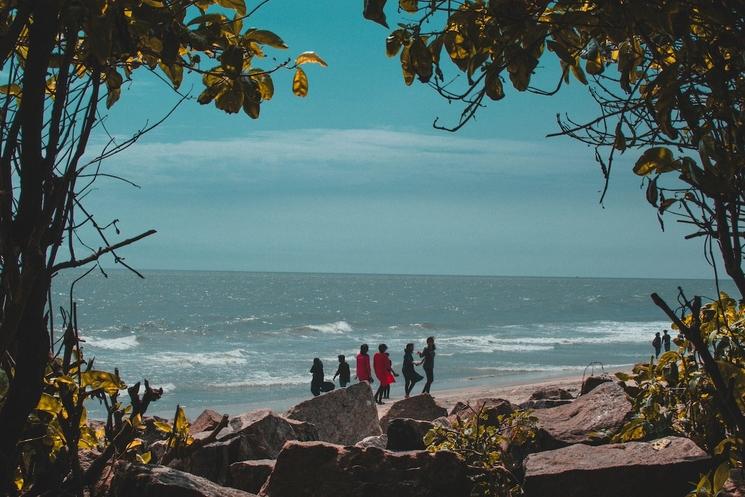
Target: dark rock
[[344, 416], [379, 441], [407, 434], [663, 468], [317, 469], [546, 397], [735, 486], [443, 421], [590, 419], [593, 381], [422, 407], [491, 408], [250, 475], [207, 421], [151, 434], [161, 481]]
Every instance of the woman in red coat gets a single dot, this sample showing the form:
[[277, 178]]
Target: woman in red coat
[[363, 365], [380, 365]]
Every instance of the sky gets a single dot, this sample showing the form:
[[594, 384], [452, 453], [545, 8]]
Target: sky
[[353, 178]]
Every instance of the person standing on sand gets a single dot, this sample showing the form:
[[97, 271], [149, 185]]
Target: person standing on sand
[[410, 374], [390, 378], [380, 365], [657, 344], [363, 365], [428, 362], [342, 372], [665, 341], [317, 382]]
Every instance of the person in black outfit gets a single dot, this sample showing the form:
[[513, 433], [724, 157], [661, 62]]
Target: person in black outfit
[[410, 374], [342, 372], [317, 382], [657, 344], [665, 341], [428, 362]]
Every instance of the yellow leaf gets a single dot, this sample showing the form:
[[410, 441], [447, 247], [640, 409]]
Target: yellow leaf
[[720, 476], [162, 427], [134, 444], [265, 38], [239, 6], [408, 5], [109, 382], [653, 159], [49, 404], [310, 58], [300, 83], [145, 458], [180, 423]]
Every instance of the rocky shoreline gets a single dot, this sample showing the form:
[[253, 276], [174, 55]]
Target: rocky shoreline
[[341, 444]]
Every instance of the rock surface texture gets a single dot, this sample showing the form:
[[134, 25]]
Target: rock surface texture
[[379, 441], [135, 480], [593, 381], [250, 475], [663, 468], [422, 407], [604, 410], [491, 408], [317, 469], [407, 434], [343, 416], [547, 397], [207, 421]]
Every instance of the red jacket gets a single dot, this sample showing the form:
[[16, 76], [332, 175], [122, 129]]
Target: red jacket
[[380, 364], [363, 367]]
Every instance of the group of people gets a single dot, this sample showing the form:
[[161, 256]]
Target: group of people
[[382, 367]]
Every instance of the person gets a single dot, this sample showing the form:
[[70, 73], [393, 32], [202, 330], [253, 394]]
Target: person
[[317, 382], [391, 377], [342, 371], [428, 363], [363, 365], [411, 377], [380, 365], [666, 340], [657, 344]]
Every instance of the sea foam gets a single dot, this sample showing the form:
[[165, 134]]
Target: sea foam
[[121, 343], [234, 357]]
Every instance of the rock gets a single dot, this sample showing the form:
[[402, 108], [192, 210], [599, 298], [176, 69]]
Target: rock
[[422, 407], [593, 381], [252, 435], [344, 416], [603, 411], [207, 421], [318, 469], [443, 421], [663, 468], [379, 441], [407, 434], [492, 408], [161, 481], [250, 475], [546, 397], [158, 449], [734, 486]]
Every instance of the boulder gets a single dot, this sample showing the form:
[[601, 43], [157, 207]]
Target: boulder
[[491, 408], [344, 416], [590, 419], [422, 407], [547, 397], [161, 481], [207, 421], [663, 468], [379, 441], [250, 475], [734, 486], [407, 434], [593, 381], [318, 469], [253, 435]]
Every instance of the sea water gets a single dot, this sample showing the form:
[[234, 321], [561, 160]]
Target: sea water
[[233, 341]]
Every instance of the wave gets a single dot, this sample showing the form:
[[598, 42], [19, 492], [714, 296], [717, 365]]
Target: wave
[[121, 343], [234, 357], [488, 344], [539, 368], [335, 328], [264, 380]]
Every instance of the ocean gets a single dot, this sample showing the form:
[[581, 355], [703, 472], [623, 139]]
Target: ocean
[[234, 341]]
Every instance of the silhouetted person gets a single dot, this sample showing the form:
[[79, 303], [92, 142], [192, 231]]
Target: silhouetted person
[[410, 374], [363, 365], [428, 363], [342, 372], [657, 344], [380, 365], [390, 378], [317, 382], [665, 341]]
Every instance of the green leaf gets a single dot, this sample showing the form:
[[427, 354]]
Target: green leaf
[[239, 6], [720, 476], [653, 159], [264, 37]]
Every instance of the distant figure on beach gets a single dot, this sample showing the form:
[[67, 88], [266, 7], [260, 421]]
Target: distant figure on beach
[[665, 341], [380, 365], [363, 365], [411, 377], [391, 377], [317, 382], [428, 363], [342, 371], [657, 344]]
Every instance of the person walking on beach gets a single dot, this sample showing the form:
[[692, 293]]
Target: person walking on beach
[[657, 344], [428, 363], [665, 341], [342, 372], [411, 377], [380, 365], [391, 377], [317, 382], [363, 365]]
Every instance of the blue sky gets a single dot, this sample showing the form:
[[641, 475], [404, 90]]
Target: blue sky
[[354, 179]]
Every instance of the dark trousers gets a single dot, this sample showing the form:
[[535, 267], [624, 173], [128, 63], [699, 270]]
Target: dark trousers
[[430, 378], [409, 381]]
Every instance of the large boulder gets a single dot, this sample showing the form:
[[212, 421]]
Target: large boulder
[[379, 441], [491, 408], [250, 475], [590, 419], [317, 469], [546, 397], [422, 407], [407, 434], [253, 435], [161, 481], [663, 468], [344, 416], [591, 382], [207, 421]]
